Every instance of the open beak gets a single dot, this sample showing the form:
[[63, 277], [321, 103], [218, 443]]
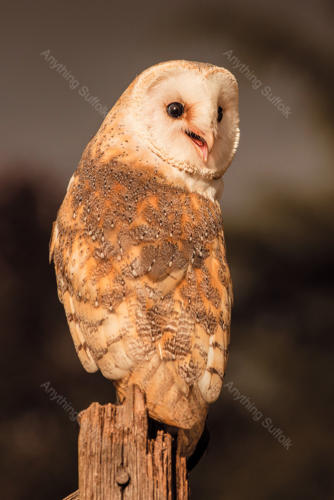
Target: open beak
[[203, 147]]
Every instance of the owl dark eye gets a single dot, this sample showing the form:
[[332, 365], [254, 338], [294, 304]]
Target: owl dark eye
[[175, 109], [220, 114]]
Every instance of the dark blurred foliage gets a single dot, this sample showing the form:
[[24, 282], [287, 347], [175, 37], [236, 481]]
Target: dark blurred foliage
[[280, 358]]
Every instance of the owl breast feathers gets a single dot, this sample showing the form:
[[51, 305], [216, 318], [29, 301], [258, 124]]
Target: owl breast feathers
[[140, 258], [142, 274]]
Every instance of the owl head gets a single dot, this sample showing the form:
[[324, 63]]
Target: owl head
[[184, 113]]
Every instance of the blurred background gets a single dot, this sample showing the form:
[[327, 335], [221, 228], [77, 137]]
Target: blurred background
[[278, 215]]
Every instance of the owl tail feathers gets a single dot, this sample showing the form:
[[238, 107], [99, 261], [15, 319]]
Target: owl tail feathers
[[188, 440], [169, 400]]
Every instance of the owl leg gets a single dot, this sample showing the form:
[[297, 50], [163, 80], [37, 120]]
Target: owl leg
[[121, 387]]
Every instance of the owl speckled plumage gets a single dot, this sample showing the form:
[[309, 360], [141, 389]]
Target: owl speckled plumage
[[138, 243]]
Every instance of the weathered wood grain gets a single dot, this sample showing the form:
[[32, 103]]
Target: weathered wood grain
[[117, 459]]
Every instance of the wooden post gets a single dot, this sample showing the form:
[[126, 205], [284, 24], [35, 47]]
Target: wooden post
[[119, 461]]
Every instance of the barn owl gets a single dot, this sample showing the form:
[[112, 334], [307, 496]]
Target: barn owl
[[138, 243]]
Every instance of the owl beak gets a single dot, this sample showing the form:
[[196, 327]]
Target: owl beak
[[203, 146]]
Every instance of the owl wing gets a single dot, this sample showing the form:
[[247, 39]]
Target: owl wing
[[70, 310], [142, 275]]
